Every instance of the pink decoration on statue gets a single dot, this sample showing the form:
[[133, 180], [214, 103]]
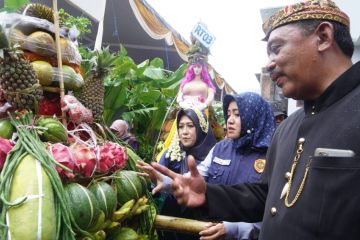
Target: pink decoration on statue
[[190, 75], [196, 89]]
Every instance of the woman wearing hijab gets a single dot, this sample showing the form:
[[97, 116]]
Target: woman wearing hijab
[[240, 158], [194, 137], [122, 131]]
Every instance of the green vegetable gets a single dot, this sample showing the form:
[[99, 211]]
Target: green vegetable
[[129, 185], [6, 129], [106, 196], [83, 205], [36, 215]]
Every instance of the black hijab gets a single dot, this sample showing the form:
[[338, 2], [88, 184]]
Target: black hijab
[[205, 138]]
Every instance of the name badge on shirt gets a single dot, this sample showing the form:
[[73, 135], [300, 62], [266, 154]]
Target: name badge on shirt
[[224, 162]]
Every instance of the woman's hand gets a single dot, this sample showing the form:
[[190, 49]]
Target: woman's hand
[[213, 231], [151, 173]]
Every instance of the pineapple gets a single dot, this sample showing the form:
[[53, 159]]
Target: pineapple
[[18, 81], [92, 93]]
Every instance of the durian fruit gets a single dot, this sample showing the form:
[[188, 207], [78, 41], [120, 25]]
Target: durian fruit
[[39, 11], [92, 93], [18, 81]]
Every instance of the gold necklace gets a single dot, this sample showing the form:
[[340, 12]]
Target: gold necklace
[[293, 168]]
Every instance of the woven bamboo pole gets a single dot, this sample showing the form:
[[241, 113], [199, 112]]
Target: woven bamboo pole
[[59, 58], [179, 224]]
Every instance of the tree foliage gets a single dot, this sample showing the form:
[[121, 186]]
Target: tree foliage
[[141, 94]]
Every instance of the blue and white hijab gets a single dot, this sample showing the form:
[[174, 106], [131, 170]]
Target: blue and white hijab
[[257, 120]]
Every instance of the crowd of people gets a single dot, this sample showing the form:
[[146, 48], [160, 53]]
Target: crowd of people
[[266, 178]]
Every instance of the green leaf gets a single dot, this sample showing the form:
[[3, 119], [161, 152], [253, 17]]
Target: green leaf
[[69, 21], [122, 69], [159, 115], [14, 4], [137, 113], [121, 98], [170, 92], [122, 51], [149, 97], [108, 114], [115, 97], [157, 62], [144, 64], [175, 78], [154, 73]]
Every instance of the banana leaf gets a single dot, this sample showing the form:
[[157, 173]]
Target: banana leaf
[[154, 73], [128, 116], [175, 78], [13, 5], [115, 97], [150, 96], [157, 62]]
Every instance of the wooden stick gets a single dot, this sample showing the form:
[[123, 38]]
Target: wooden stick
[[59, 58], [179, 224]]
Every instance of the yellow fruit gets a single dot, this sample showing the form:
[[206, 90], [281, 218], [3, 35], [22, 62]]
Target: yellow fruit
[[43, 71], [99, 223], [41, 43]]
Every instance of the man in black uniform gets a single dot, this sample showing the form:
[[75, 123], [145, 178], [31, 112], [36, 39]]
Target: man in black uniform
[[303, 196]]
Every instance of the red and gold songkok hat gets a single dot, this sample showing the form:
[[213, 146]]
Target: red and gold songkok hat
[[307, 10]]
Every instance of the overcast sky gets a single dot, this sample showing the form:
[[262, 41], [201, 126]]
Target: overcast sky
[[238, 52]]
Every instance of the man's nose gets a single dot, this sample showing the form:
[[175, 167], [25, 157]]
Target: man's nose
[[270, 66]]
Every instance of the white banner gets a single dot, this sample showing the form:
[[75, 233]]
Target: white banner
[[201, 33]]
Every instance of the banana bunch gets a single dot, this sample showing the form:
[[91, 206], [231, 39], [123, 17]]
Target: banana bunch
[[99, 235], [105, 226], [51, 130], [130, 209], [97, 231]]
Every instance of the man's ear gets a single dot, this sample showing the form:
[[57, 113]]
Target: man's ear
[[325, 33]]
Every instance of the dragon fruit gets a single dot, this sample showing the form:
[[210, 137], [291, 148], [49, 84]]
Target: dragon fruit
[[110, 156], [120, 157], [76, 111], [85, 159], [5, 147], [63, 155]]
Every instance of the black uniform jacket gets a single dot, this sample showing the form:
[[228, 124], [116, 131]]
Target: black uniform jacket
[[329, 204]]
